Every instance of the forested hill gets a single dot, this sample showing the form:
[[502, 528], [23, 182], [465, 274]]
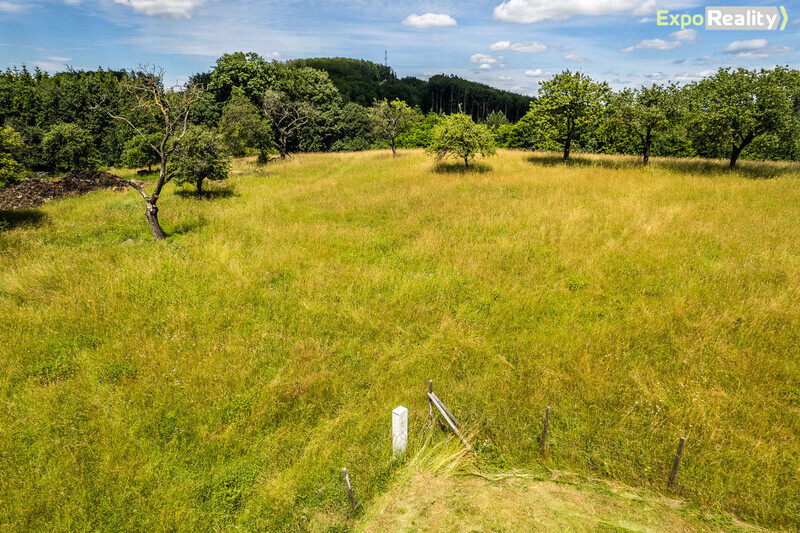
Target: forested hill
[[363, 82]]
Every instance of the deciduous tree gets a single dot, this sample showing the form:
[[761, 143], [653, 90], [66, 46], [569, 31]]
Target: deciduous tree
[[568, 102], [390, 119], [10, 145], [169, 108], [458, 136], [286, 116], [646, 111], [199, 157]]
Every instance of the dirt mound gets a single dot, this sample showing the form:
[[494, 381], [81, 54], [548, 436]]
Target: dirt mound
[[34, 192]]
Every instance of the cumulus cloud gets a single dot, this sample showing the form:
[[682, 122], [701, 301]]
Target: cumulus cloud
[[500, 45], [529, 11], [536, 73], [429, 20], [529, 47], [685, 35], [754, 49], [484, 59], [12, 7], [163, 8], [574, 57], [653, 44]]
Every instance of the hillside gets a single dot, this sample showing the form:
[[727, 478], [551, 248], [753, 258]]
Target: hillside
[[221, 379]]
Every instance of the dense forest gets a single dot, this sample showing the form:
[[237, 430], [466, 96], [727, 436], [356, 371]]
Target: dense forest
[[52, 123]]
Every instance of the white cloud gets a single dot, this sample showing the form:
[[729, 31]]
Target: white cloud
[[528, 11], [486, 59], [500, 45], [754, 49], [485, 66], [429, 20], [529, 47], [653, 44], [11, 7], [534, 73], [60, 59], [685, 35], [163, 8], [574, 57]]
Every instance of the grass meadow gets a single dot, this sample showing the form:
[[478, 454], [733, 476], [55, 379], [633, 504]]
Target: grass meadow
[[220, 380]]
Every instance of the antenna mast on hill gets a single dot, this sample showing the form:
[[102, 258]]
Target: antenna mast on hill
[[386, 57]]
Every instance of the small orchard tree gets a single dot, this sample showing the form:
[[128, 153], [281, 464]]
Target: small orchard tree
[[138, 152], [458, 136], [200, 156], [736, 107], [287, 116], [10, 146], [568, 102], [166, 107], [243, 127], [646, 111], [496, 119], [390, 119], [67, 147]]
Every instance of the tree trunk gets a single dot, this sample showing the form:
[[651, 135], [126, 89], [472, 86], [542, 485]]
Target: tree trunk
[[394, 150], [152, 219], [647, 142], [283, 149], [199, 186], [466, 162], [737, 150], [566, 146]]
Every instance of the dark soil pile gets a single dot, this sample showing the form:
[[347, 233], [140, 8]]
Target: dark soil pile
[[34, 192]]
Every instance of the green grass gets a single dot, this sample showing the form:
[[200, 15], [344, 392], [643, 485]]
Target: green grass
[[222, 378]]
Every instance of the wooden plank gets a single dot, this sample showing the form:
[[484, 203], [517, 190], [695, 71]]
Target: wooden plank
[[449, 422], [453, 418], [430, 401], [677, 462]]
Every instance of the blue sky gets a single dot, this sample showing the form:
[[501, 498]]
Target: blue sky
[[512, 44]]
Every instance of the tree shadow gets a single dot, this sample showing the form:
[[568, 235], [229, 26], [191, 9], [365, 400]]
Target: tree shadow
[[20, 217], [215, 193], [757, 170], [188, 226], [460, 168]]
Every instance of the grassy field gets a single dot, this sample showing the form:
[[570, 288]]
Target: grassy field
[[222, 378]]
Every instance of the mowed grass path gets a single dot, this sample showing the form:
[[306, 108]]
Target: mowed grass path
[[222, 378]]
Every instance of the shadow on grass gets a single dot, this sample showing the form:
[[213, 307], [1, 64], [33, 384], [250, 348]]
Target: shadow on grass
[[215, 193], [756, 170], [22, 217], [188, 226], [460, 168]]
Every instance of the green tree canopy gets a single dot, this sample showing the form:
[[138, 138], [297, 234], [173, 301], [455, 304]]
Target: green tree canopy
[[200, 156], [734, 107], [390, 119], [67, 147], [138, 151], [646, 111], [458, 136], [568, 102], [243, 127], [10, 146]]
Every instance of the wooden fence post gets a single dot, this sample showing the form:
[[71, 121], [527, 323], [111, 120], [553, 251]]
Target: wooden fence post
[[430, 401], [677, 462], [544, 429], [349, 488]]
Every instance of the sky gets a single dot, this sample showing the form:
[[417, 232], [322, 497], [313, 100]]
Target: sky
[[511, 44]]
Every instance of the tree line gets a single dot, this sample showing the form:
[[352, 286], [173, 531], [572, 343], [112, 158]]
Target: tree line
[[251, 106]]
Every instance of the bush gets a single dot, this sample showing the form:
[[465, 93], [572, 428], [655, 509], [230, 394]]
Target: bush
[[10, 146]]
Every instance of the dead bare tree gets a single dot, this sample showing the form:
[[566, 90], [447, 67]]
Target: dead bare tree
[[287, 116], [168, 107]]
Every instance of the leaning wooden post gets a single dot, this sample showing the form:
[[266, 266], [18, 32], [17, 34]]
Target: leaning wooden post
[[544, 429], [677, 462], [430, 401], [349, 488]]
